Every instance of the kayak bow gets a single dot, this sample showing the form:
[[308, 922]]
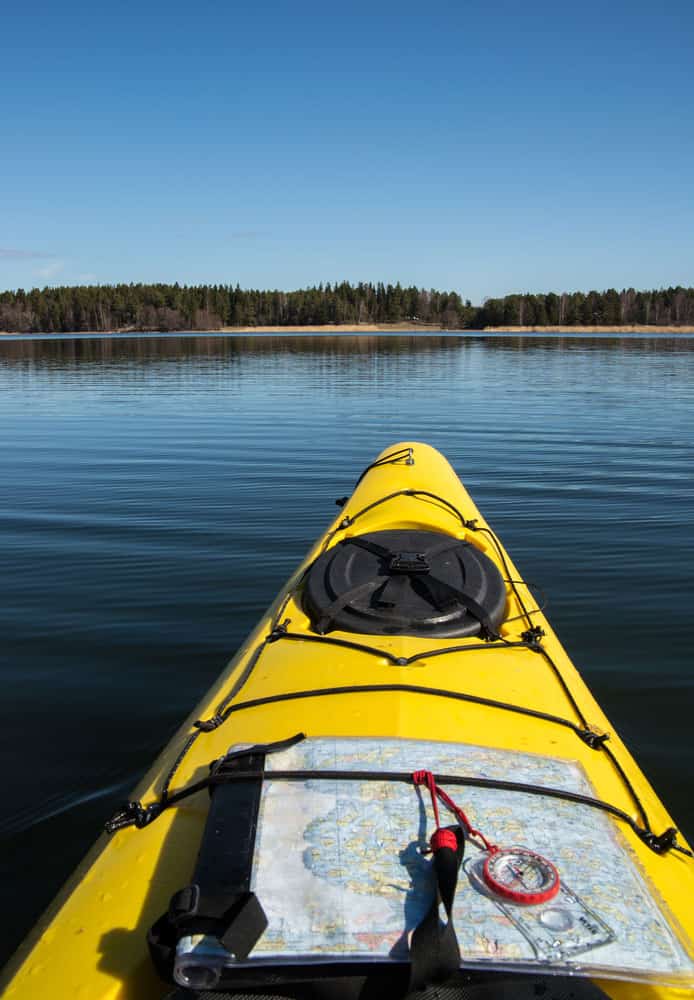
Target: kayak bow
[[404, 675]]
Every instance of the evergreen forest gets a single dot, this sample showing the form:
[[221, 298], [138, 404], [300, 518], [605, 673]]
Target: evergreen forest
[[175, 307]]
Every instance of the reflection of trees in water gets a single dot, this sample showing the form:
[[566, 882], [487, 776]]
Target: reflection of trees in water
[[86, 350], [585, 342], [56, 350]]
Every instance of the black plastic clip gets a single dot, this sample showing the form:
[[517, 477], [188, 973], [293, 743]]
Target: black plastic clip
[[341, 501], [184, 904], [594, 740], [133, 814], [532, 636], [408, 562], [237, 920], [661, 843], [209, 725], [278, 631]]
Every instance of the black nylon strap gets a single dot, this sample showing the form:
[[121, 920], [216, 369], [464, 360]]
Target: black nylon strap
[[382, 552], [373, 547], [219, 900], [451, 543], [245, 753], [361, 590], [393, 591], [444, 597], [660, 843], [223, 868], [434, 951]]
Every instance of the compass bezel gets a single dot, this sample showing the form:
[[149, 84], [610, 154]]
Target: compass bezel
[[526, 897]]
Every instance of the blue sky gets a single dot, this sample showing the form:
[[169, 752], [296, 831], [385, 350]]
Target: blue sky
[[487, 147]]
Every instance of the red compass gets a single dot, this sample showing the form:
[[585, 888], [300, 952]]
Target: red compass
[[516, 873], [521, 875]]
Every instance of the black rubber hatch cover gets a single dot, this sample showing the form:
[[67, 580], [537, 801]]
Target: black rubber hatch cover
[[405, 582]]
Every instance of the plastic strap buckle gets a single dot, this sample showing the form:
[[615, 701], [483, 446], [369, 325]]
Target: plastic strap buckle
[[408, 562], [237, 921]]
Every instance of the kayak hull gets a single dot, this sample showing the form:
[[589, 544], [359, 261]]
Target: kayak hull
[[91, 941]]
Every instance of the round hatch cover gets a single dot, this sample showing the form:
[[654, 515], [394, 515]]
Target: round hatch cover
[[405, 582]]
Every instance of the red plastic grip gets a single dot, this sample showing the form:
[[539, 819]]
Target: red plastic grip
[[444, 838]]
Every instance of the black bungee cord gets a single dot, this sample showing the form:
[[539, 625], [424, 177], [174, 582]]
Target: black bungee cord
[[134, 813]]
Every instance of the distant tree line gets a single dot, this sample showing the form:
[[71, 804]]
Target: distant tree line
[[664, 307], [209, 307]]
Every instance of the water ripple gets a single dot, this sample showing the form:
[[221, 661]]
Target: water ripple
[[157, 492]]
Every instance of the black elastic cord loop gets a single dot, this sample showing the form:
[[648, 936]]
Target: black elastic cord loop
[[531, 640], [401, 454], [658, 843], [220, 715], [350, 519], [507, 571], [588, 735], [401, 661], [273, 699], [469, 523]]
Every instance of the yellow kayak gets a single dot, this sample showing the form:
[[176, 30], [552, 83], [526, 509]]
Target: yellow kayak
[[400, 780]]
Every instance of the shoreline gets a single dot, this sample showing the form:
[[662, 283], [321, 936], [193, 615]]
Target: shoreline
[[589, 329], [359, 328], [341, 327], [318, 327]]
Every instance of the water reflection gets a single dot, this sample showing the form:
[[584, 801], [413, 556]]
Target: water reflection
[[114, 349], [158, 490], [130, 348]]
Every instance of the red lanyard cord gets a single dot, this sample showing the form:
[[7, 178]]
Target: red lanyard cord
[[426, 778]]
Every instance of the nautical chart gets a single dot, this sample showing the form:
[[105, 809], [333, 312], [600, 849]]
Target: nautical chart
[[339, 870]]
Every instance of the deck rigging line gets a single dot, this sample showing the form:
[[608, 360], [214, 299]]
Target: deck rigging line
[[531, 639]]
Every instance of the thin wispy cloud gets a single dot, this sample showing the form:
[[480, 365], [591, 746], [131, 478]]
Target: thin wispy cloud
[[10, 253], [50, 270]]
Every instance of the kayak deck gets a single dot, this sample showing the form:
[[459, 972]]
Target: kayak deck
[[519, 694]]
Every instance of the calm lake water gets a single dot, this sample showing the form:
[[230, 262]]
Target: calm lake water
[[156, 492]]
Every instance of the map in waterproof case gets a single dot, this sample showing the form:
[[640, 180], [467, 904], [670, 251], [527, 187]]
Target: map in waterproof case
[[557, 929], [339, 869]]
